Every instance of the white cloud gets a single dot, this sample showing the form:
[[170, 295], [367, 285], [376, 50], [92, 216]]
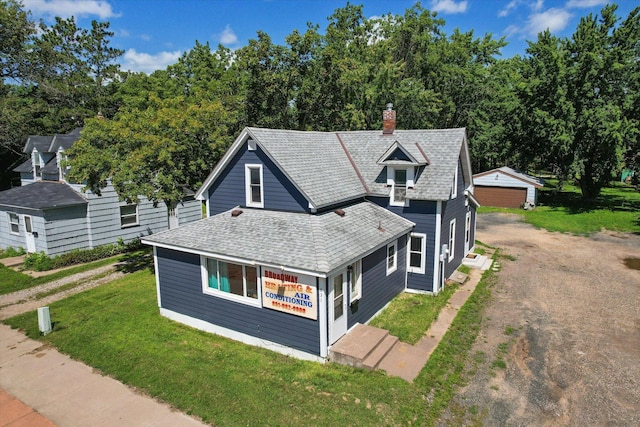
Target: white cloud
[[147, 63], [145, 37], [228, 36], [449, 6], [552, 19], [537, 5], [584, 4], [508, 8], [67, 8]]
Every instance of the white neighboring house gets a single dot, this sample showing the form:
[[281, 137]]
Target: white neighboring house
[[507, 188], [47, 213]]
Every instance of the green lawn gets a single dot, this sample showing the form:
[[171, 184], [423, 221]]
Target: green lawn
[[117, 329], [617, 209], [12, 281], [409, 315]]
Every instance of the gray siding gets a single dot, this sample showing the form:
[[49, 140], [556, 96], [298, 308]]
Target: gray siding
[[104, 219], [8, 240], [181, 291], [189, 211], [378, 289], [228, 190], [66, 229], [423, 214]]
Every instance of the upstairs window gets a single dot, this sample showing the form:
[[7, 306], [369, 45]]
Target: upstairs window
[[37, 164], [454, 188], [14, 223], [253, 186], [399, 180], [128, 215]]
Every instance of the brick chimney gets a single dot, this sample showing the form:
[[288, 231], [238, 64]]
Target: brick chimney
[[388, 120]]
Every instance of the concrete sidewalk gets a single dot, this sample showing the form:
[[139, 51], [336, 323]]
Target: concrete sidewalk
[[70, 393]]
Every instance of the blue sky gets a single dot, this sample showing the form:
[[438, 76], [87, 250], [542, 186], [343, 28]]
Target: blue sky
[[154, 33]]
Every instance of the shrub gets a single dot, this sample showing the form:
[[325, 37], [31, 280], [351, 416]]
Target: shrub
[[42, 262], [38, 261], [11, 252]]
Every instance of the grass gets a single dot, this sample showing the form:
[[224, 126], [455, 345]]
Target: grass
[[12, 281], [616, 209], [409, 315], [117, 329]]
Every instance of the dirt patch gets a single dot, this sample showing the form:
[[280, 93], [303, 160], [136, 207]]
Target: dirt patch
[[567, 310]]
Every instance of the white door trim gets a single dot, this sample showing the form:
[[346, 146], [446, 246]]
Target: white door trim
[[28, 231], [337, 306]]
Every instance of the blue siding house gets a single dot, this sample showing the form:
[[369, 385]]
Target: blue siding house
[[310, 233]]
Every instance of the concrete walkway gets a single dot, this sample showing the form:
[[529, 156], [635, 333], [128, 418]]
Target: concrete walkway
[[406, 360], [69, 393], [41, 387]]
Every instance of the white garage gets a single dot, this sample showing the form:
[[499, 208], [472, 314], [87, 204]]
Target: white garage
[[506, 188]]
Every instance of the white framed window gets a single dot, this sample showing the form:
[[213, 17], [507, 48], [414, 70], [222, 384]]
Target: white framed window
[[128, 215], [251, 145], [227, 280], [467, 232], [355, 281], [452, 239], [14, 223], [392, 257], [399, 180], [254, 188], [417, 249], [454, 189], [37, 164]]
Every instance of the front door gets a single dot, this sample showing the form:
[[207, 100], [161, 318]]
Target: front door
[[31, 240], [338, 307]]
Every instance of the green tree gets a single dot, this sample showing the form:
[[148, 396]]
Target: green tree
[[16, 29], [578, 100], [154, 152]]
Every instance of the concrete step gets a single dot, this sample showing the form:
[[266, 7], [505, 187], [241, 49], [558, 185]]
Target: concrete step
[[379, 352], [357, 345]]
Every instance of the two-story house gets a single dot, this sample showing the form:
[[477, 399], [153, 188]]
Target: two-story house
[[49, 214], [309, 233]]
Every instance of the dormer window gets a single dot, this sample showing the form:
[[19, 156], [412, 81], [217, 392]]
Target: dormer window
[[399, 179], [37, 164]]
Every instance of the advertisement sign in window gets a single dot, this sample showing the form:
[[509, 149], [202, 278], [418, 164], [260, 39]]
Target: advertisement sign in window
[[290, 293]]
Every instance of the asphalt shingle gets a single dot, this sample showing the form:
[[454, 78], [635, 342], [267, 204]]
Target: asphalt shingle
[[317, 243], [41, 195]]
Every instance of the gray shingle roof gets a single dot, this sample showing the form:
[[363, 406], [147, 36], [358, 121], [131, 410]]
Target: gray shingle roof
[[441, 146], [26, 166], [314, 161], [318, 164], [39, 142], [316, 243], [41, 195]]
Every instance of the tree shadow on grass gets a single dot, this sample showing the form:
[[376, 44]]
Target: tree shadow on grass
[[136, 261], [615, 199]]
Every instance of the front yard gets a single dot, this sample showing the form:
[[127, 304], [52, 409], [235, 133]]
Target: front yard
[[117, 329]]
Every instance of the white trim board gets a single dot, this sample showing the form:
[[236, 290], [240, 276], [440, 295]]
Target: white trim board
[[237, 336]]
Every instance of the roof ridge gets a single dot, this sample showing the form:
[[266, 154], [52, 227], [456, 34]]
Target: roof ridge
[[353, 164]]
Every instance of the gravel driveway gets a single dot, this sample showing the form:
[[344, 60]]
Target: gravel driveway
[[565, 321]]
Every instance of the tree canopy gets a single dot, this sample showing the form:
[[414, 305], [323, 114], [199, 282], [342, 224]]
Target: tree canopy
[[570, 106]]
